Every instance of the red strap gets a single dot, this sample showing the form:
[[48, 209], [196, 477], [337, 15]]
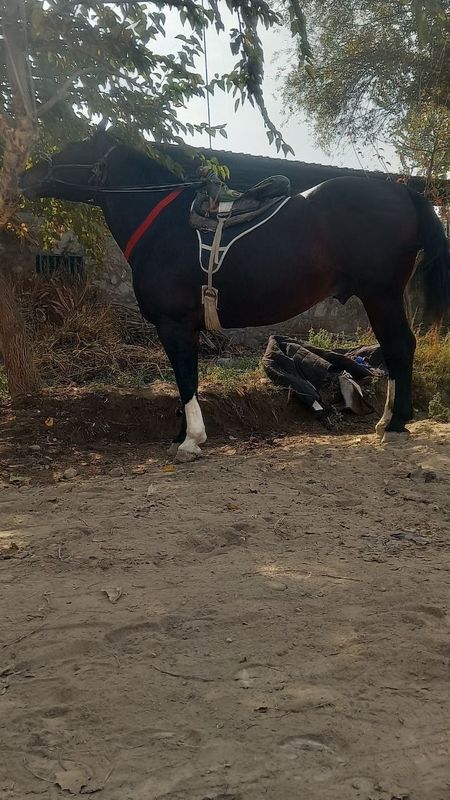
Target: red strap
[[144, 226]]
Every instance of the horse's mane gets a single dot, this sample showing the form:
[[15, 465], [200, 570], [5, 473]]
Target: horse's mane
[[150, 167]]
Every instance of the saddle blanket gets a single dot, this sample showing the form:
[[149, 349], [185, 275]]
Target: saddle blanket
[[232, 234]]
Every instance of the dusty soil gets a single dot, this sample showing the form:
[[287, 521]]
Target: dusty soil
[[273, 621]]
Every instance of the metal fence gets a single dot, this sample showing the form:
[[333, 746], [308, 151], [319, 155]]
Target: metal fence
[[60, 263]]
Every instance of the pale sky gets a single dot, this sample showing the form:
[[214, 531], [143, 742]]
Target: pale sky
[[245, 128]]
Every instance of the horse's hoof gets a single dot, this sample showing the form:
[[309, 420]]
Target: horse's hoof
[[395, 437], [380, 429], [173, 449], [185, 455]]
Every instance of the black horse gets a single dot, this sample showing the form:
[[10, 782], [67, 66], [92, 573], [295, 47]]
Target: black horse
[[347, 236]]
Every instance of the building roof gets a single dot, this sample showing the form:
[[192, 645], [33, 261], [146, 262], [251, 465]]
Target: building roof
[[247, 170]]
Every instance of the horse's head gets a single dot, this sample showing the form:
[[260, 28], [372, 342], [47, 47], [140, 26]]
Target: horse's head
[[72, 174]]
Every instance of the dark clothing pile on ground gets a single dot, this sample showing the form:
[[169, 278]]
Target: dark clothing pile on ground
[[310, 372]]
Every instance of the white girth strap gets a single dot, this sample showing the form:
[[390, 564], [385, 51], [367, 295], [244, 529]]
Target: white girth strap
[[210, 295]]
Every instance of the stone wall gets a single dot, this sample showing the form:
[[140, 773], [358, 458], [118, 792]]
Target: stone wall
[[329, 314], [114, 277]]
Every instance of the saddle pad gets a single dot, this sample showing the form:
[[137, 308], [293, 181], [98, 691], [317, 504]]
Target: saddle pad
[[231, 235]]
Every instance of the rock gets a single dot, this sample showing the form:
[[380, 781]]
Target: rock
[[69, 473], [113, 594], [141, 470], [244, 678], [35, 448], [117, 472], [421, 475]]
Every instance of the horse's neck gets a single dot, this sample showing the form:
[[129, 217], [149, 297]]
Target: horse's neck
[[125, 211], [133, 168]]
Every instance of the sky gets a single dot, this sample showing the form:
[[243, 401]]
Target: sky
[[245, 128]]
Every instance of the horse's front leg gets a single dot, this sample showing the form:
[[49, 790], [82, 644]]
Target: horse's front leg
[[180, 342]]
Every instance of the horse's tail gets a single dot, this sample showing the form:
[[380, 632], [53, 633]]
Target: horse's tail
[[434, 267]]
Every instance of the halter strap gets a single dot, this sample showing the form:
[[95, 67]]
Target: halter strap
[[149, 220]]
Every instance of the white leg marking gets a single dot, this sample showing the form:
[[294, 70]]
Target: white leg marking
[[195, 432], [388, 409]]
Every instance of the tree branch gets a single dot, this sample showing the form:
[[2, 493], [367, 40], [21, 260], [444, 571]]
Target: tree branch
[[61, 93], [16, 58], [6, 125]]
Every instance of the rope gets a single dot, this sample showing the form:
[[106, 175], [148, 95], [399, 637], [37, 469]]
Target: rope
[[210, 295], [127, 189]]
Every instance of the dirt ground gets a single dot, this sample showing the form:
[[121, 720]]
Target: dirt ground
[[270, 622]]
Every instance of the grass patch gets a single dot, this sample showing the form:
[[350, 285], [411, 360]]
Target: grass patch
[[431, 377], [330, 341], [237, 372]]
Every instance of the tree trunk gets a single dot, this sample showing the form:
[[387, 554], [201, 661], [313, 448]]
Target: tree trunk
[[20, 370], [17, 134], [19, 365]]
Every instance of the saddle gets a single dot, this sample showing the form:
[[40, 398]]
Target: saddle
[[216, 208], [215, 202]]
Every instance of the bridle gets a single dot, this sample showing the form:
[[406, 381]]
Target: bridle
[[97, 170], [98, 173]]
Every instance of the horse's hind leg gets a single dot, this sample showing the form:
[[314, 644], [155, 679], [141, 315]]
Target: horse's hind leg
[[180, 342], [390, 325]]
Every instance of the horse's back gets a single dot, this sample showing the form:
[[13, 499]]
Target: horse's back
[[369, 191], [365, 213]]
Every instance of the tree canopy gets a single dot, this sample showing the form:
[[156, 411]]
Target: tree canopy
[[382, 71], [65, 61]]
